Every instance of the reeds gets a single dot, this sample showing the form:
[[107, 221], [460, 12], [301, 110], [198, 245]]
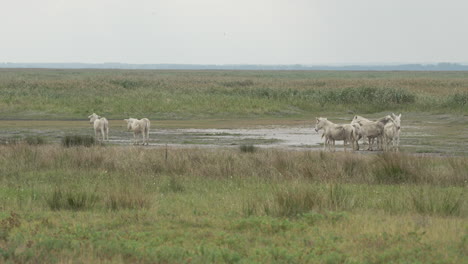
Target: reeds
[[121, 178], [177, 94], [78, 140]]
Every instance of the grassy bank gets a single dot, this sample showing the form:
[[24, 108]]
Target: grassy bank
[[141, 205], [51, 94]]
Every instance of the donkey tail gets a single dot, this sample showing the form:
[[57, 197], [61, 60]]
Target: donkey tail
[[147, 126]]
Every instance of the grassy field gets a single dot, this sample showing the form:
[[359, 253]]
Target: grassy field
[[117, 94], [140, 205], [124, 204]]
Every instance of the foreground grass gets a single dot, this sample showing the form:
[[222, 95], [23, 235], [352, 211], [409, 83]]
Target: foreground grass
[[141, 205], [117, 94]]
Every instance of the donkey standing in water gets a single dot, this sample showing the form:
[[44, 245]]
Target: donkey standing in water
[[392, 132], [101, 126], [333, 132], [355, 121], [139, 127], [371, 130]]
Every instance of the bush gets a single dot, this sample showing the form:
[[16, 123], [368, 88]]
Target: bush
[[71, 200], [174, 185], [9, 141], [242, 83], [247, 148], [35, 140], [366, 95], [77, 140], [296, 201], [392, 168], [457, 100], [449, 202], [127, 200]]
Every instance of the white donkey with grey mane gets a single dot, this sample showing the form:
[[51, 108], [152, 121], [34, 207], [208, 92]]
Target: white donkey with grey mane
[[139, 127], [333, 132], [374, 130], [392, 132], [356, 120], [101, 126]]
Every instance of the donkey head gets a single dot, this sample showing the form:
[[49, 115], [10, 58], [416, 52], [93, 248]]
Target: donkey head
[[397, 120], [93, 118], [129, 123], [320, 122]]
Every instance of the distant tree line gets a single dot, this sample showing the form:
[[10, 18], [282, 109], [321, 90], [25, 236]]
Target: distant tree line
[[401, 67]]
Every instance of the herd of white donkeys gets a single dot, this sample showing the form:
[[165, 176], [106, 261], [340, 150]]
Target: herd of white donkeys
[[385, 131]]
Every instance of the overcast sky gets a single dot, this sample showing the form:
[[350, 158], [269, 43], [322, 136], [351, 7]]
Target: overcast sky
[[234, 31]]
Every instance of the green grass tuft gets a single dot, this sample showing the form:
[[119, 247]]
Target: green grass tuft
[[78, 140]]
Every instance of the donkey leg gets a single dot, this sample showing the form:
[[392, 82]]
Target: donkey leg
[[147, 136], [103, 134]]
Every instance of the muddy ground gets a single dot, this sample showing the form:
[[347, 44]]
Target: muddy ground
[[438, 135]]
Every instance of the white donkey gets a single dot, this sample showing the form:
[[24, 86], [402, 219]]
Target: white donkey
[[333, 132], [392, 132], [139, 127], [101, 126], [371, 130], [356, 120]]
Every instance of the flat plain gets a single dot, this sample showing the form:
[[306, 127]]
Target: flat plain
[[234, 171]]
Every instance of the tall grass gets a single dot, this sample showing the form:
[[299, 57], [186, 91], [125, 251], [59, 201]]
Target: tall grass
[[312, 181], [188, 94], [71, 200], [120, 204], [78, 140]]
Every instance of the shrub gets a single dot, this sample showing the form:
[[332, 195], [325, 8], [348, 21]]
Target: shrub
[[9, 141], [391, 168], [35, 140], [174, 185], [127, 200], [241, 83], [294, 202], [247, 148], [457, 100], [70, 200], [339, 198], [448, 202], [77, 140], [366, 95]]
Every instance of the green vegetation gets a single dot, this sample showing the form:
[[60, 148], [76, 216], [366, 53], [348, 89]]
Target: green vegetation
[[247, 148], [156, 94], [130, 204], [79, 202], [78, 140]]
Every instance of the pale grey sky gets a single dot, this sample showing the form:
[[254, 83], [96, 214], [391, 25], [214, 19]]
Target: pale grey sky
[[234, 31]]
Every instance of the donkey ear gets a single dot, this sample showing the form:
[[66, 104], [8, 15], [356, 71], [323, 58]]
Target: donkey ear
[[399, 115]]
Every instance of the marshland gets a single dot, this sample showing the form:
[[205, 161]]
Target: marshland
[[257, 194]]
